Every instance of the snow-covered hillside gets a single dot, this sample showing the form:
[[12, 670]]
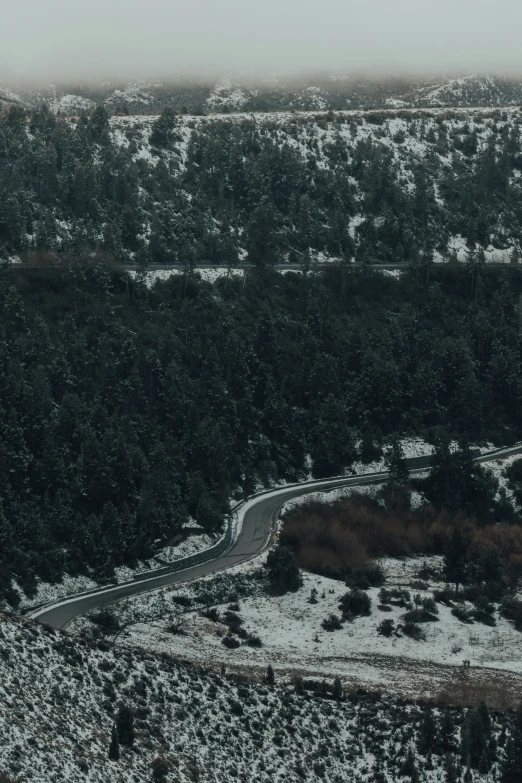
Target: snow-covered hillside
[[281, 91], [413, 138], [72, 104], [227, 95], [293, 640], [59, 697], [467, 90]]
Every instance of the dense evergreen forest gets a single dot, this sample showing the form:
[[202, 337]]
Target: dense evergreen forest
[[124, 409], [375, 188]]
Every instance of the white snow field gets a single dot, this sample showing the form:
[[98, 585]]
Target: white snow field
[[207, 274]]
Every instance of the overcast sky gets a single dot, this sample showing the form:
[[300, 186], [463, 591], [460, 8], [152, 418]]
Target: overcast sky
[[66, 39]]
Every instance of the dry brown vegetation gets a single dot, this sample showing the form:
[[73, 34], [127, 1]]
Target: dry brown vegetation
[[500, 690], [331, 539]]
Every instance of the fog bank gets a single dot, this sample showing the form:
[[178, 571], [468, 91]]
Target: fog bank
[[124, 39]]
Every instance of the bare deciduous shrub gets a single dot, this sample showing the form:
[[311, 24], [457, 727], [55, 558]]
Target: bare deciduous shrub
[[341, 538]]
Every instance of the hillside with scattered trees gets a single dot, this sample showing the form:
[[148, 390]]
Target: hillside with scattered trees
[[372, 187]]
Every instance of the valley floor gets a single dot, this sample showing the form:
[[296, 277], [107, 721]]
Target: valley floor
[[294, 641]]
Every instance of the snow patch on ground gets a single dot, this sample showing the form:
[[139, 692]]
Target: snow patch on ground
[[411, 447], [372, 490], [47, 592], [208, 274], [57, 701], [498, 469], [294, 640], [134, 93]]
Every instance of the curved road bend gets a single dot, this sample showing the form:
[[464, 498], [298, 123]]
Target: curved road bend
[[254, 536]]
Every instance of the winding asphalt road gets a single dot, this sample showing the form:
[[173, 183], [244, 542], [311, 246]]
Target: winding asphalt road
[[259, 514]]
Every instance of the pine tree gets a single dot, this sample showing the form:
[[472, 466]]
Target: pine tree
[[428, 732], [512, 764], [447, 731], [283, 571], [332, 446], [484, 763], [114, 748], [337, 689], [491, 567], [270, 676], [298, 685], [456, 482], [408, 765], [451, 770], [476, 734], [164, 129], [456, 560], [99, 125], [396, 463], [485, 717], [125, 725]]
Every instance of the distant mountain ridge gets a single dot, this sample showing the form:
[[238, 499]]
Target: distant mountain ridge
[[327, 91]]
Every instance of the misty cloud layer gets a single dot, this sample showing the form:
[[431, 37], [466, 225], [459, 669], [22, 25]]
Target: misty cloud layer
[[70, 39]]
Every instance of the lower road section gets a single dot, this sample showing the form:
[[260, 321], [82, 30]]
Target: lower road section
[[257, 517]]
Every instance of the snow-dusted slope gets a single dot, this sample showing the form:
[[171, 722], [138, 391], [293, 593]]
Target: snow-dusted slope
[[226, 95], [58, 698], [411, 136], [468, 90], [282, 91], [9, 97], [72, 104]]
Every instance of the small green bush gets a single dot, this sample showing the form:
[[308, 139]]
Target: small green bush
[[231, 642], [331, 623], [356, 603], [365, 577], [511, 609], [463, 614], [386, 627], [444, 596], [211, 614], [233, 620], [106, 620], [414, 631], [425, 611], [182, 600], [396, 596], [176, 629], [484, 612]]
